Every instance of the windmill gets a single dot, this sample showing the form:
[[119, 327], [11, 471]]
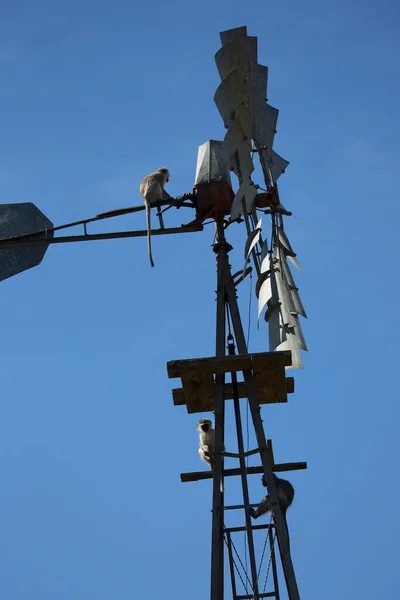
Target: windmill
[[208, 382]]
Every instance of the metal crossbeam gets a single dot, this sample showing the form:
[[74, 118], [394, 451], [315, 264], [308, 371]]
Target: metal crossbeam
[[200, 475]]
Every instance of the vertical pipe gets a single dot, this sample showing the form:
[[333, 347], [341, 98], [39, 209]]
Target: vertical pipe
[[217, 542]]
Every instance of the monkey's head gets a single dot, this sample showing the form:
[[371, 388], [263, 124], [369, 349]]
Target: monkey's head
[[204, 425], [164, 171]]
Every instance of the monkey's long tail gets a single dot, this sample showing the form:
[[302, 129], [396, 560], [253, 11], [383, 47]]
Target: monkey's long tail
[[148, 223]]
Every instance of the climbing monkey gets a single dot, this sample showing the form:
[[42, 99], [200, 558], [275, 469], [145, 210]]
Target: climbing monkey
[[285, 493]]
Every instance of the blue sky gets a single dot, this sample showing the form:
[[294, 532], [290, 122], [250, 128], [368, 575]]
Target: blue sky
[[94, 96]]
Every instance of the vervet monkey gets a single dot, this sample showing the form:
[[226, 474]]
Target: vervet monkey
[[206, 440], [285, 493], [152, 192]]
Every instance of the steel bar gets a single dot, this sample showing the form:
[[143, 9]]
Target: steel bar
[[254, 527], [251, 596], [281, 468], [245, 454], [273, 563], [231, 563], [237, 506], [217, 542], [35, 239], [243, 475]]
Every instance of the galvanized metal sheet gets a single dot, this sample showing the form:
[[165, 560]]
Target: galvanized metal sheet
[[252, 239], [285, 298], [297, 363], [287, 274], [236, 143], [248, 191], [290, 253], [294, 262], [293, 338], [274, 329], [19, 219], [265, 259], [231, 34], [278, 164], [281, 338], [231, 93], [240, 53], [245, 163], [284, 240], [264, 296], [258, 95], [211, 165], [266, 123]]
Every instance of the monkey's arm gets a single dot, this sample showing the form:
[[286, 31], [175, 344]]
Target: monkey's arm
[[205, 454], [262, 508]]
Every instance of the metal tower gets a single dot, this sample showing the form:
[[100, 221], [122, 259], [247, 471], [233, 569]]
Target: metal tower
[[233, 373], [208, 382]]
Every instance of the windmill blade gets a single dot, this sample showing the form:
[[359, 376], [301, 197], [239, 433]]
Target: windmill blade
[[284, 240], [287, 274], [265, 258], [285, 298], [293, 338], [266, 124], [278, 165], [275, 329], [240, 53], [232, 99], [231, 34], [287, 248], [236, 150], [284, 338], [252, 240], [297, 363], [246, 191]]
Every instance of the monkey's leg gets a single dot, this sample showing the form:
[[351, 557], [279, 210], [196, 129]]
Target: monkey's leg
[[159, 215], [262, 508]]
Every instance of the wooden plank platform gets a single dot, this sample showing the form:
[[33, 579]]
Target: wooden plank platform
[[178, 396], [197, 377], [281, 468]]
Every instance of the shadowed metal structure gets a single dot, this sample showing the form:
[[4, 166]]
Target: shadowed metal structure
[[234, 374], [17, 219]]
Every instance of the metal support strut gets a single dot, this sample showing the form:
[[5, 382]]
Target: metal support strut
[[227, 301]]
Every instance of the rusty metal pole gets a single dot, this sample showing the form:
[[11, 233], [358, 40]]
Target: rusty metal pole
[[221, 249]]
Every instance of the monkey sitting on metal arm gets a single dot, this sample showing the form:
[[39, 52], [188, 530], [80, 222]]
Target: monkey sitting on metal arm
[[206, 440], [285, 493], [152, 192]]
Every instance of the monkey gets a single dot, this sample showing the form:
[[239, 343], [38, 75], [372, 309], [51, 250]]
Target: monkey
[[285, 493], [152, 191], [206, 439]]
